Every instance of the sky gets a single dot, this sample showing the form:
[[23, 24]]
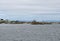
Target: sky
[[39, 10]]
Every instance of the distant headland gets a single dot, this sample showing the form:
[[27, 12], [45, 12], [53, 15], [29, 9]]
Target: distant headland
[[34, 22]]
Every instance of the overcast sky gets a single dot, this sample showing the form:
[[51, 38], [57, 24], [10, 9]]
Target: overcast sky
[[30, 9]]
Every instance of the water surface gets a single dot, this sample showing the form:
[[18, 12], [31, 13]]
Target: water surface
[[27, 32]]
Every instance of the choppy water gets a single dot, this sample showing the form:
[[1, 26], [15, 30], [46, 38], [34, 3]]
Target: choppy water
[[24, 32]]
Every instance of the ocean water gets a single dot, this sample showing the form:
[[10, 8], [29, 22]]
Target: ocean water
[[27, 32]]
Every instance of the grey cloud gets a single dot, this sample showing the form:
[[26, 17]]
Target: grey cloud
[[31, 6]]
